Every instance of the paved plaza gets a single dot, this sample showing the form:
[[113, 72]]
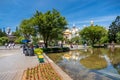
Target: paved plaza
[[13, 63]]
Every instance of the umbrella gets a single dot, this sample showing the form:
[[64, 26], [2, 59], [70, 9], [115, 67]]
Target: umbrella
[[25, 41]]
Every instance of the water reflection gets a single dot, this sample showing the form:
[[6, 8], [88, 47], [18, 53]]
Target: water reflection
[[74, 55], [117, 67], [114, 57], [111, 56], [102, 60]]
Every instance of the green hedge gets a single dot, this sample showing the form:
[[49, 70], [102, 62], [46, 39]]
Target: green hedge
[[55, 50]]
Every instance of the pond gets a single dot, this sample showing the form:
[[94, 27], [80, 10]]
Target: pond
[[90, 63]]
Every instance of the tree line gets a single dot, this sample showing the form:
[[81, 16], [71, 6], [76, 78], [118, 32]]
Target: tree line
[[49, 27]]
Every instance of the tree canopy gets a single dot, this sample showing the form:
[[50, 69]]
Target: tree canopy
[[93, 34], [114, 28], [50, 24], [27, 28]]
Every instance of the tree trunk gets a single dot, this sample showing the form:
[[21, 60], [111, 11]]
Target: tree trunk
[[46, 45], [92, 43]]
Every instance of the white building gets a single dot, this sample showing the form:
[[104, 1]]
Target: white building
[[71, 33], [67, 34], [74, 32]]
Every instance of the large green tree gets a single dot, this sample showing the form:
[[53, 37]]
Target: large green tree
[[50, 24], [27, 28], [93, 34], [114, 28]]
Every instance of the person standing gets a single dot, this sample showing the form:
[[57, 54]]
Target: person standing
[[13, 44], [9, 45]]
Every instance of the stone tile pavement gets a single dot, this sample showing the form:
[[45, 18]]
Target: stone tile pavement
[[12, 66], [14, 63]]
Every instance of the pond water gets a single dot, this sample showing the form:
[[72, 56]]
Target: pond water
[[80, 64]]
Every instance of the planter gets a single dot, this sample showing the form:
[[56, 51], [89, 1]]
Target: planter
[[41, 60], [38, 51], [43, 71]]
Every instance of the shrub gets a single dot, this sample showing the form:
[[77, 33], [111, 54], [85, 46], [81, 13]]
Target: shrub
[[3, 40], [55, 50], [38, 51]]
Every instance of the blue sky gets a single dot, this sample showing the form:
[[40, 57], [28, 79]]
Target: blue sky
[[78, 12]]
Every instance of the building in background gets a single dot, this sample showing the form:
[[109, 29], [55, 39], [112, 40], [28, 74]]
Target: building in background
[[74, 31], [67, 34], [71, 33], [11, 37]]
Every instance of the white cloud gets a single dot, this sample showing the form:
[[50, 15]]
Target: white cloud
[[101, 19], [104, 18]]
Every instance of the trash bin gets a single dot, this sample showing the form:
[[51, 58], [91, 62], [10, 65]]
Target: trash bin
[[31, 52], [41, 60], [26, 52]]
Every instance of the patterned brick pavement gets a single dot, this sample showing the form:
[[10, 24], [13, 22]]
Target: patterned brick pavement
[[14, 63]]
